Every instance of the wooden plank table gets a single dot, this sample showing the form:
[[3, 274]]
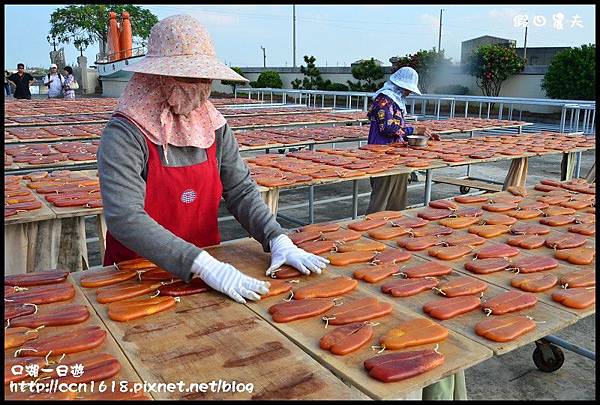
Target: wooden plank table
[[271, 194], [544, 250], [69, 212], [50, 237], [468, 183], [40, 214], [502, 278], [38, 124], [465, 323], [244, 148], [209, 337], [471, 130], [555, 318], [62, 164], [31, 240], [564, 268], [300, 123], [127, 373], [461, 353], [51, 140], [289, 124]]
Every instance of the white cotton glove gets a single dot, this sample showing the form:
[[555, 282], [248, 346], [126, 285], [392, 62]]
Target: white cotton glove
[[227, 279], [283, 251]]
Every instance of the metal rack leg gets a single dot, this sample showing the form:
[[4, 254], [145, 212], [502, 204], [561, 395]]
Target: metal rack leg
[[567, 166], [469, 166], [354, 199], [571, 347], [578, 165], [311, 204], [427, 186]]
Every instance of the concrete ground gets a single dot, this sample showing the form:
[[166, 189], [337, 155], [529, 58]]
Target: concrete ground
[[510, 376]]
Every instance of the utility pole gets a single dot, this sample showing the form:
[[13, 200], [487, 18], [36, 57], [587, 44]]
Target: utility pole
[[294, 32], [264, 57], [440, 34], [525, 45]]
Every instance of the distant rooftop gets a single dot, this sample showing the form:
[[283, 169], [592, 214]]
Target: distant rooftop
[[487, 38]]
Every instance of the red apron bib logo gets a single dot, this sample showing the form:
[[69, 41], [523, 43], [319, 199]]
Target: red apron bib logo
[[188, 196], [195, 223]]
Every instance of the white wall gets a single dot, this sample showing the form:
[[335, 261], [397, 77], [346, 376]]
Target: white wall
[[525, 85], [113, 87], [521, 85], [92, 80]]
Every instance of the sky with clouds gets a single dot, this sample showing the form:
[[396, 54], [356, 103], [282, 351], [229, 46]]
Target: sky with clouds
[[335, 34]]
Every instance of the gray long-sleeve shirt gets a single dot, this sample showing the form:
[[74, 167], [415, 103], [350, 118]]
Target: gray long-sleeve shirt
[[123, 168]]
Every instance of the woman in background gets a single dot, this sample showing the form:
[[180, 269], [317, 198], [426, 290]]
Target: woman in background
[[69, 79], [386, 116]]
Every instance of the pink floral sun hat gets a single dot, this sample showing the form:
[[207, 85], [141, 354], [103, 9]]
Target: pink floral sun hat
[[180, 46]]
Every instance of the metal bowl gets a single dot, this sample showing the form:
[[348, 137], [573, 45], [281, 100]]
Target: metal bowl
[[417, 140]]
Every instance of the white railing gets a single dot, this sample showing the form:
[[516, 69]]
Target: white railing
[[124, 54], [582, 112]]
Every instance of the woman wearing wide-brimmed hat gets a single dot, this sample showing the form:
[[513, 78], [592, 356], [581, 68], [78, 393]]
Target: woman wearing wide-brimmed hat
[[166, 158], [386, 116]]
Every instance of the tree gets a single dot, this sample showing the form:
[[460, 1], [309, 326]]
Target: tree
[[369, 71], [337, 87], [268, 79], [572, 74], [312, 76], [232, 83], [426, 63], [493, 64], [88, 24]]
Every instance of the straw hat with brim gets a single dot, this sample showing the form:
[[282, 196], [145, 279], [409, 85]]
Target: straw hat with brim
[[407, 78], [180, 46]]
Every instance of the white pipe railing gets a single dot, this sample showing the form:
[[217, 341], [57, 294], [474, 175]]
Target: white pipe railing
[[575, 107], [506, 100]]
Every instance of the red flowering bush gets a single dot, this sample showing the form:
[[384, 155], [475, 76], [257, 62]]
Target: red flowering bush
[[493, 64], [426, 63]]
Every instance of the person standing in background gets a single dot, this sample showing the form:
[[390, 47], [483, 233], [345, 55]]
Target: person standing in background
[[6, 83], [69, 79], [55, 82], [387, 125], [22, 81]]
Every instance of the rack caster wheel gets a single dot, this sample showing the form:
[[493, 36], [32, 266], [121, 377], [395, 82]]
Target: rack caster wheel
[[464, 189], [547, 357]]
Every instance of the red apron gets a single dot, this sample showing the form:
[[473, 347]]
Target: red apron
[[184, 200]]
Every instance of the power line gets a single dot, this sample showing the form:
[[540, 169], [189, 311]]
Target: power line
[[286, 17], [440, 35], [360, 29]]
